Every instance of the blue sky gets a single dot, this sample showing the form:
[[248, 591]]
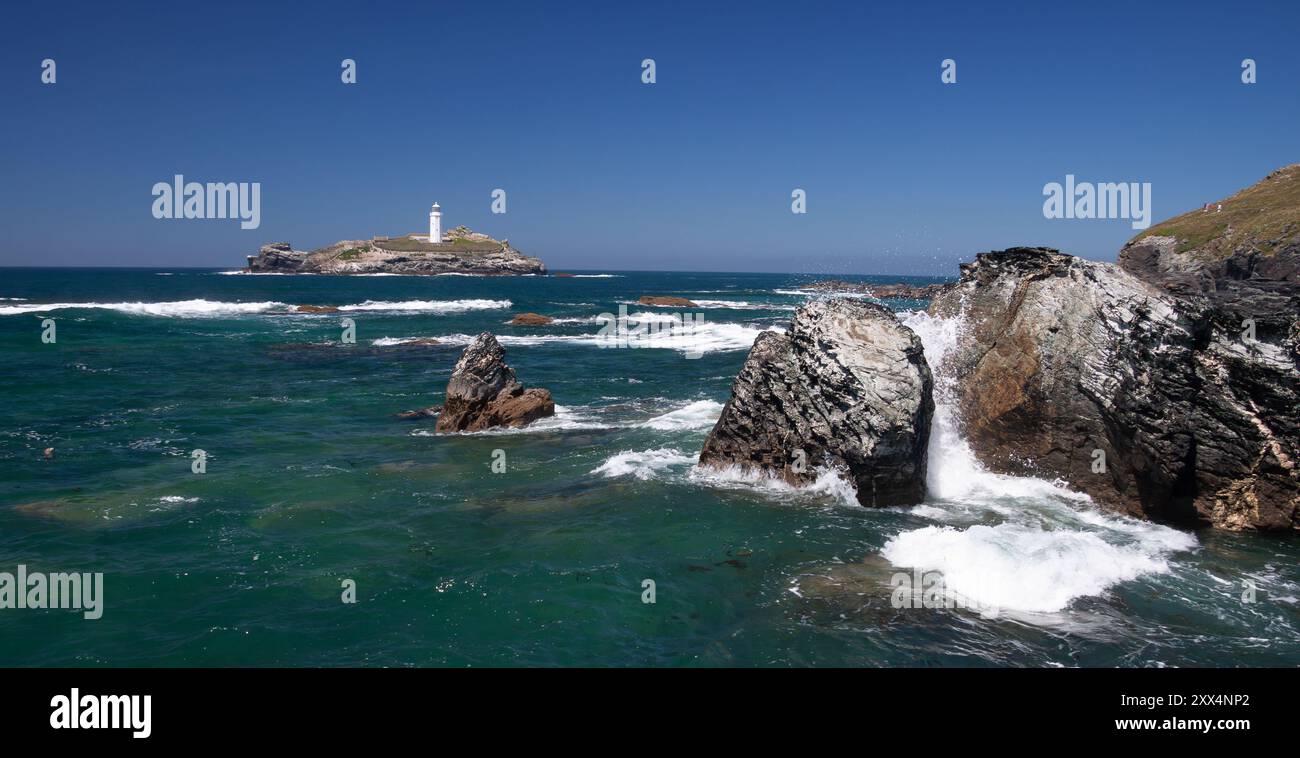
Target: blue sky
[[903, 174]]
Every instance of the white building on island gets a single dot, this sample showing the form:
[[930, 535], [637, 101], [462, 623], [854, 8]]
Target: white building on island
[[435, 224]]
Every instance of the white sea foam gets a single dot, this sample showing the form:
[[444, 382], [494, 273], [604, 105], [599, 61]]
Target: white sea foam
[[707, 337], [433, 306], [829, 484], [696, 415], [179, 308], [1022, 568], [1050, 546], [643, 464], [744, 305], [565, 419]]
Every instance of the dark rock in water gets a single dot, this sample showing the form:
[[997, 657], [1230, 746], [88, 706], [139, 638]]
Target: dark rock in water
[[277, 258], [881, 291], [420, 413], [483, 392], [317, 309], [668, 301], [530, 319], [848, 386], [1062, 357]]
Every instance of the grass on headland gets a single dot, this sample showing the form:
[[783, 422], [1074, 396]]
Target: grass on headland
[[412, 245], [1259, 216]]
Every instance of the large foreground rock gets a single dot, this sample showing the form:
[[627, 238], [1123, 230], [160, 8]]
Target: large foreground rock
[[849, 387], [1063, 357], [483, 392]]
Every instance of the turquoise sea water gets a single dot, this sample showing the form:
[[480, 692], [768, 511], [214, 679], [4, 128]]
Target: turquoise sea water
[[311, 481]]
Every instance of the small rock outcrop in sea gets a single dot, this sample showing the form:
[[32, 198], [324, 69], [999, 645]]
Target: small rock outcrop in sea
[[483, 392], [419, 413], [461, 251], [530, 319], [881, 291], [848, 387], [669, 301], [1075, 369]]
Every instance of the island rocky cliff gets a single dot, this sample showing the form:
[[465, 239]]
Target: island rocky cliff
[[461, 251]]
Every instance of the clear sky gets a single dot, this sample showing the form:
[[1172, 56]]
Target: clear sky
[[903, 174]]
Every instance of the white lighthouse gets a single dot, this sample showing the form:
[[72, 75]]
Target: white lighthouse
[[435, 224]]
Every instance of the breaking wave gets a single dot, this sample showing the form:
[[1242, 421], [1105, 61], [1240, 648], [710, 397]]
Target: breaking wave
[[434, 306], [1048, 545], [644, 464], [178, 308]]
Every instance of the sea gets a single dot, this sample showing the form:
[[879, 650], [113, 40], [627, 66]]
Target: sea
[[235, 471]]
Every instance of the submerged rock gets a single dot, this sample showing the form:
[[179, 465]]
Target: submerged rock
[[419, 413], [848, 387], [530, 319], [483, 392], [1075, 369], [668, 301]]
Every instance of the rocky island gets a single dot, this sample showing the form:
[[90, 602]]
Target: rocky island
[[461, 251]]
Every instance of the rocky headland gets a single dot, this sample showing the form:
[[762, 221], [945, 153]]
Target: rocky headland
[[461, 251], [1243, 262], [1079, 370], [847, 388], [1166, 386]]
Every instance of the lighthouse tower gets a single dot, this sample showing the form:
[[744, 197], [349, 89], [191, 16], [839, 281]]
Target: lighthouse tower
[[435, 224]]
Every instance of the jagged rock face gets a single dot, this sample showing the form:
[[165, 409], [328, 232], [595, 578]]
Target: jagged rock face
[[1063, 357], [483, 392], [278, 258], [849, 387], [1243, 285]]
